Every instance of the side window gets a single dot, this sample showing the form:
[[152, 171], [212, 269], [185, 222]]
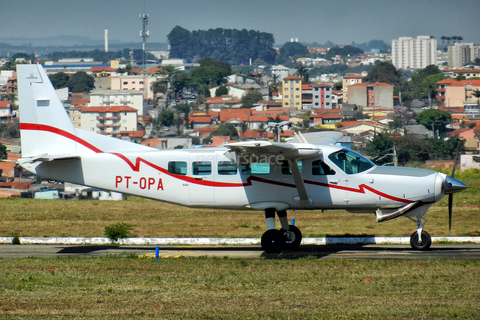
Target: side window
[[350, 162], [177, 167], [227, 168], [320, 168], [256, 168], [203, 168], [286, 167]]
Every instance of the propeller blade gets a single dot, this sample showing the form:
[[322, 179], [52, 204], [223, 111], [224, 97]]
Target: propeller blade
[[450, 204]]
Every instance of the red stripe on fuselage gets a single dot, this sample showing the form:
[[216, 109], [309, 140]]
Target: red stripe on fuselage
[[136, 167]]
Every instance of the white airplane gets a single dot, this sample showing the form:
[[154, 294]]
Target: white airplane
[[253, 175]]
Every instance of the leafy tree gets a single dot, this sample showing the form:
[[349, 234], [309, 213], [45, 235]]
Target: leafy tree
[[3, 151], [418, 77], [383, 72], [378, 147], [434, 120], [476, 94], [412, 149], [401, 115], [303, 73], [290, 51], [167, 118], [428, 85], [338, 85], [222, 90], [250, 98], [446, 149], [59, 80], [81, 82], [226, 130]]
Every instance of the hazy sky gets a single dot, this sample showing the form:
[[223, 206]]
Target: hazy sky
[[340, 21]]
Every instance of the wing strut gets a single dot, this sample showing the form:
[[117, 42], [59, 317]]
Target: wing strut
[[303, 198]]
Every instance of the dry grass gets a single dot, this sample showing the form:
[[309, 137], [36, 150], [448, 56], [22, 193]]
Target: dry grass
[[126, 288], [28, 217]]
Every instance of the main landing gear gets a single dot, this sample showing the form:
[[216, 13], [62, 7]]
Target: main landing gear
[[420, 240], [287, 238]]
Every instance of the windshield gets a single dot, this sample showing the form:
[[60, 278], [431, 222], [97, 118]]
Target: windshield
[[350, 162]]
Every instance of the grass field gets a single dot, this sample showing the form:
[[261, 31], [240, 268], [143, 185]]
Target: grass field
[[132, 288], [39, 218], [128, 287]]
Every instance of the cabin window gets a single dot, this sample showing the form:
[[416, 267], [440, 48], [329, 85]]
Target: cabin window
[[256, 168], [286, 168], [201, 168], [320, 168], [350, 162], [227, 168], [43, 103], [177, 167]]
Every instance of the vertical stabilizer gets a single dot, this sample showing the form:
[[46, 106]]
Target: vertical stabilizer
[[45, 126]]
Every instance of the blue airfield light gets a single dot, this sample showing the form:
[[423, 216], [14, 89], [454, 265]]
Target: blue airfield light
[[157, 251]]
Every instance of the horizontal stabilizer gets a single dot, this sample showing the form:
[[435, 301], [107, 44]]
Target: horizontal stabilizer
[[48, 157], [287, 150]]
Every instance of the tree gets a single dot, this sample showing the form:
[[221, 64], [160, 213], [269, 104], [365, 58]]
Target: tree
[[383, 72], [401, 115], [433, 119], [243, 127], [167, 118], [428, 85], [303, 73], [226, 130], [59, 80], [262, 127], [378, 147], [418, 77], [3, 151], [222, 90], [290, 51], [250, 98], [81, 82]]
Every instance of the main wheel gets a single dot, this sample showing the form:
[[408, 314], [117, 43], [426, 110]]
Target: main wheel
[[273, 241], [420, 245], [293, 237]]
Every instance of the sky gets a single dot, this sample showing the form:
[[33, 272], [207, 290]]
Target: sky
[[339, 21]]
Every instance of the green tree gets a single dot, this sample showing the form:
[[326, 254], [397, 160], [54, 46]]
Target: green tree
[[222, 90], [418, 77], [59, 80], [446, 149], [250, 98], [302, 72], [167, 118], [81, 82], [383, 72], [476, 94], [435, 120], [291, 51], [379, 147], [3, 151], [410, 149], [428, 85], [226, 130]]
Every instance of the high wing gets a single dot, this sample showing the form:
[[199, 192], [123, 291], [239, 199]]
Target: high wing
[[318, 138], [288, 151]]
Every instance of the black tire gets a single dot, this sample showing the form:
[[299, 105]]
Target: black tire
[[424, 244], [273, 241], [293, 237]]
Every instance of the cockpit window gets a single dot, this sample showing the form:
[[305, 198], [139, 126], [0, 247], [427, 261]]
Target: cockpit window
[[350, 162]]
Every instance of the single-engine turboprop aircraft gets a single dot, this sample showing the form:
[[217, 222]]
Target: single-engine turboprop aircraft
[[307, 173]]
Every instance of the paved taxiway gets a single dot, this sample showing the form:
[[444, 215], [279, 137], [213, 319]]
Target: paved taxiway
[[437, 251]]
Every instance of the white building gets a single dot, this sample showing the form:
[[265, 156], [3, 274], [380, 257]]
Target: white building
[[414, 53], [461, 54], [107, 98], [114, 121], [133, 83]]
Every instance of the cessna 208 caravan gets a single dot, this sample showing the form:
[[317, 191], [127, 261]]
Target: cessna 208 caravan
[[310, 172]]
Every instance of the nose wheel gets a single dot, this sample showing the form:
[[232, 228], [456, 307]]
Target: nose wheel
[[420, 243]]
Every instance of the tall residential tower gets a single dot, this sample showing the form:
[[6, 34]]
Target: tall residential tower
[[411, 53]]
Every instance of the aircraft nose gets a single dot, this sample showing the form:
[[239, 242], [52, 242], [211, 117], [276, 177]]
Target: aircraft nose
[[453, 185]]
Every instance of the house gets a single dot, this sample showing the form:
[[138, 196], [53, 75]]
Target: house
[[130, 98], [200, 121], [5, 110], [134, 82], [223, 101]]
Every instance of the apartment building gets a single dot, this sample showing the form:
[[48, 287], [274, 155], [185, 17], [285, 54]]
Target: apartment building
[[107, 98], [371, 94], [292, 92], [414, 53], [461, 54], [347, 81], [317, 96], [116, 121], [133, 83], [461, 92]]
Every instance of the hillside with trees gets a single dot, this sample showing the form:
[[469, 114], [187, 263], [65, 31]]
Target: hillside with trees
[[229, 45]]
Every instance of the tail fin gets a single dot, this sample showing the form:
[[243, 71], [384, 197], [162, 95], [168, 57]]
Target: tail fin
[[45, 126]]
